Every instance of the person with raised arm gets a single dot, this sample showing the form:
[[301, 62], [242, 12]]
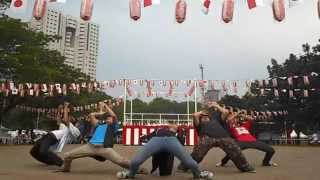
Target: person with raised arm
[[100, 146], [46, 148], [240, 125], [210, 127]]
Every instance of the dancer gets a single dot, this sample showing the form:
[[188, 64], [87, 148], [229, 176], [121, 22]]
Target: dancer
[[165, 140], [212, 134], [100, 146], [163, 161], [45, 149], [240, 125]]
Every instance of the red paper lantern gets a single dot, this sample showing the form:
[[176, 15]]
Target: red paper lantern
[[279, 11], [181, 11], [39, 9], [319, 8], [135, 9], [86, 9], [227, 10]]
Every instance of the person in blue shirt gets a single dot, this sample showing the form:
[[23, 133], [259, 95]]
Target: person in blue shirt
[[100, 145]]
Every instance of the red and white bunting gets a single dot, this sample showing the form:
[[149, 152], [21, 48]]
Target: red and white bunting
[[305, 93], [170, 88], [306, 80], [276, 93], [274, 82], [291, 95], [235, 87], [149, 89], [191, 89], [290, 81]]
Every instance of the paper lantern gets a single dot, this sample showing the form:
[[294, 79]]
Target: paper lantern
[[319, 8], [181, 11], [227, 10], [135, 9], [279, 11], [86, 9], [39, 9]]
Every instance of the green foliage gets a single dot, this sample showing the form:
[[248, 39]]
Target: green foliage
[[25, 58]]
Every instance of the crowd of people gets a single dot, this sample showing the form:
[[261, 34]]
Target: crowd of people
[[218, 126]]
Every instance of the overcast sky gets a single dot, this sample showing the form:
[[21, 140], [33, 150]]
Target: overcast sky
[[157, 47]]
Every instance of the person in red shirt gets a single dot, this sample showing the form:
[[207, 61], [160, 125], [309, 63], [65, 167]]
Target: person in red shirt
[[240, 125]]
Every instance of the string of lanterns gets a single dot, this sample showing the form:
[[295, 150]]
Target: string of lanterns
[[135, 6]]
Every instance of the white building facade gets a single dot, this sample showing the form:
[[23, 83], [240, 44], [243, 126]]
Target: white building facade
[[78, 43]]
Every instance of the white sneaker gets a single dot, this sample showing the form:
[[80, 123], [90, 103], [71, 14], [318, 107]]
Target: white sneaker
[[123, 175], [207, 175]]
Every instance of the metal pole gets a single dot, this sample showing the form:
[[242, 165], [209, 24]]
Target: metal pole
[[38, 118], [125, 102], [195, 97], [188, 108], [131, 109]]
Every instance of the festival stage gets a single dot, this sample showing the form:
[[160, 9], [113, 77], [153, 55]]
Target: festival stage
[[295, 163]]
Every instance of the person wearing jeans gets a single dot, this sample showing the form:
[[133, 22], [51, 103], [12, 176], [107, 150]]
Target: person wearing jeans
[[164, 141]]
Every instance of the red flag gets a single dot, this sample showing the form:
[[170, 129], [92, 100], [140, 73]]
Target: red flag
[[19, 5], [191, 90], [206, 6], [252, 4], [170, 88], [150, 2]]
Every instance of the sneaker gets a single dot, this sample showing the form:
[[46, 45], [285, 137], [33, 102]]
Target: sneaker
[[220, 165], [270, 164], [207, 175], [123, 175], [250, 169]]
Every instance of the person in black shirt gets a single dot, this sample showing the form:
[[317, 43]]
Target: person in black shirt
[[212, 134], [165, 140]]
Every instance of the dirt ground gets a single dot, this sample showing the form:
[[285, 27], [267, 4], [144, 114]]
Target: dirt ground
[[295, 163]]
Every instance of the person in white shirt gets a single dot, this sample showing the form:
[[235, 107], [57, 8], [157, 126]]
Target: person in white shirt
[[45, 149]]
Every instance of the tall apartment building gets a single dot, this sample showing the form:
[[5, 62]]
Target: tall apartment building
[[79, 42]]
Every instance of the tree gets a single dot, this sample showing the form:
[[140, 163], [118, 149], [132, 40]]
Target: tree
[[24, 58], [303, 111]]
